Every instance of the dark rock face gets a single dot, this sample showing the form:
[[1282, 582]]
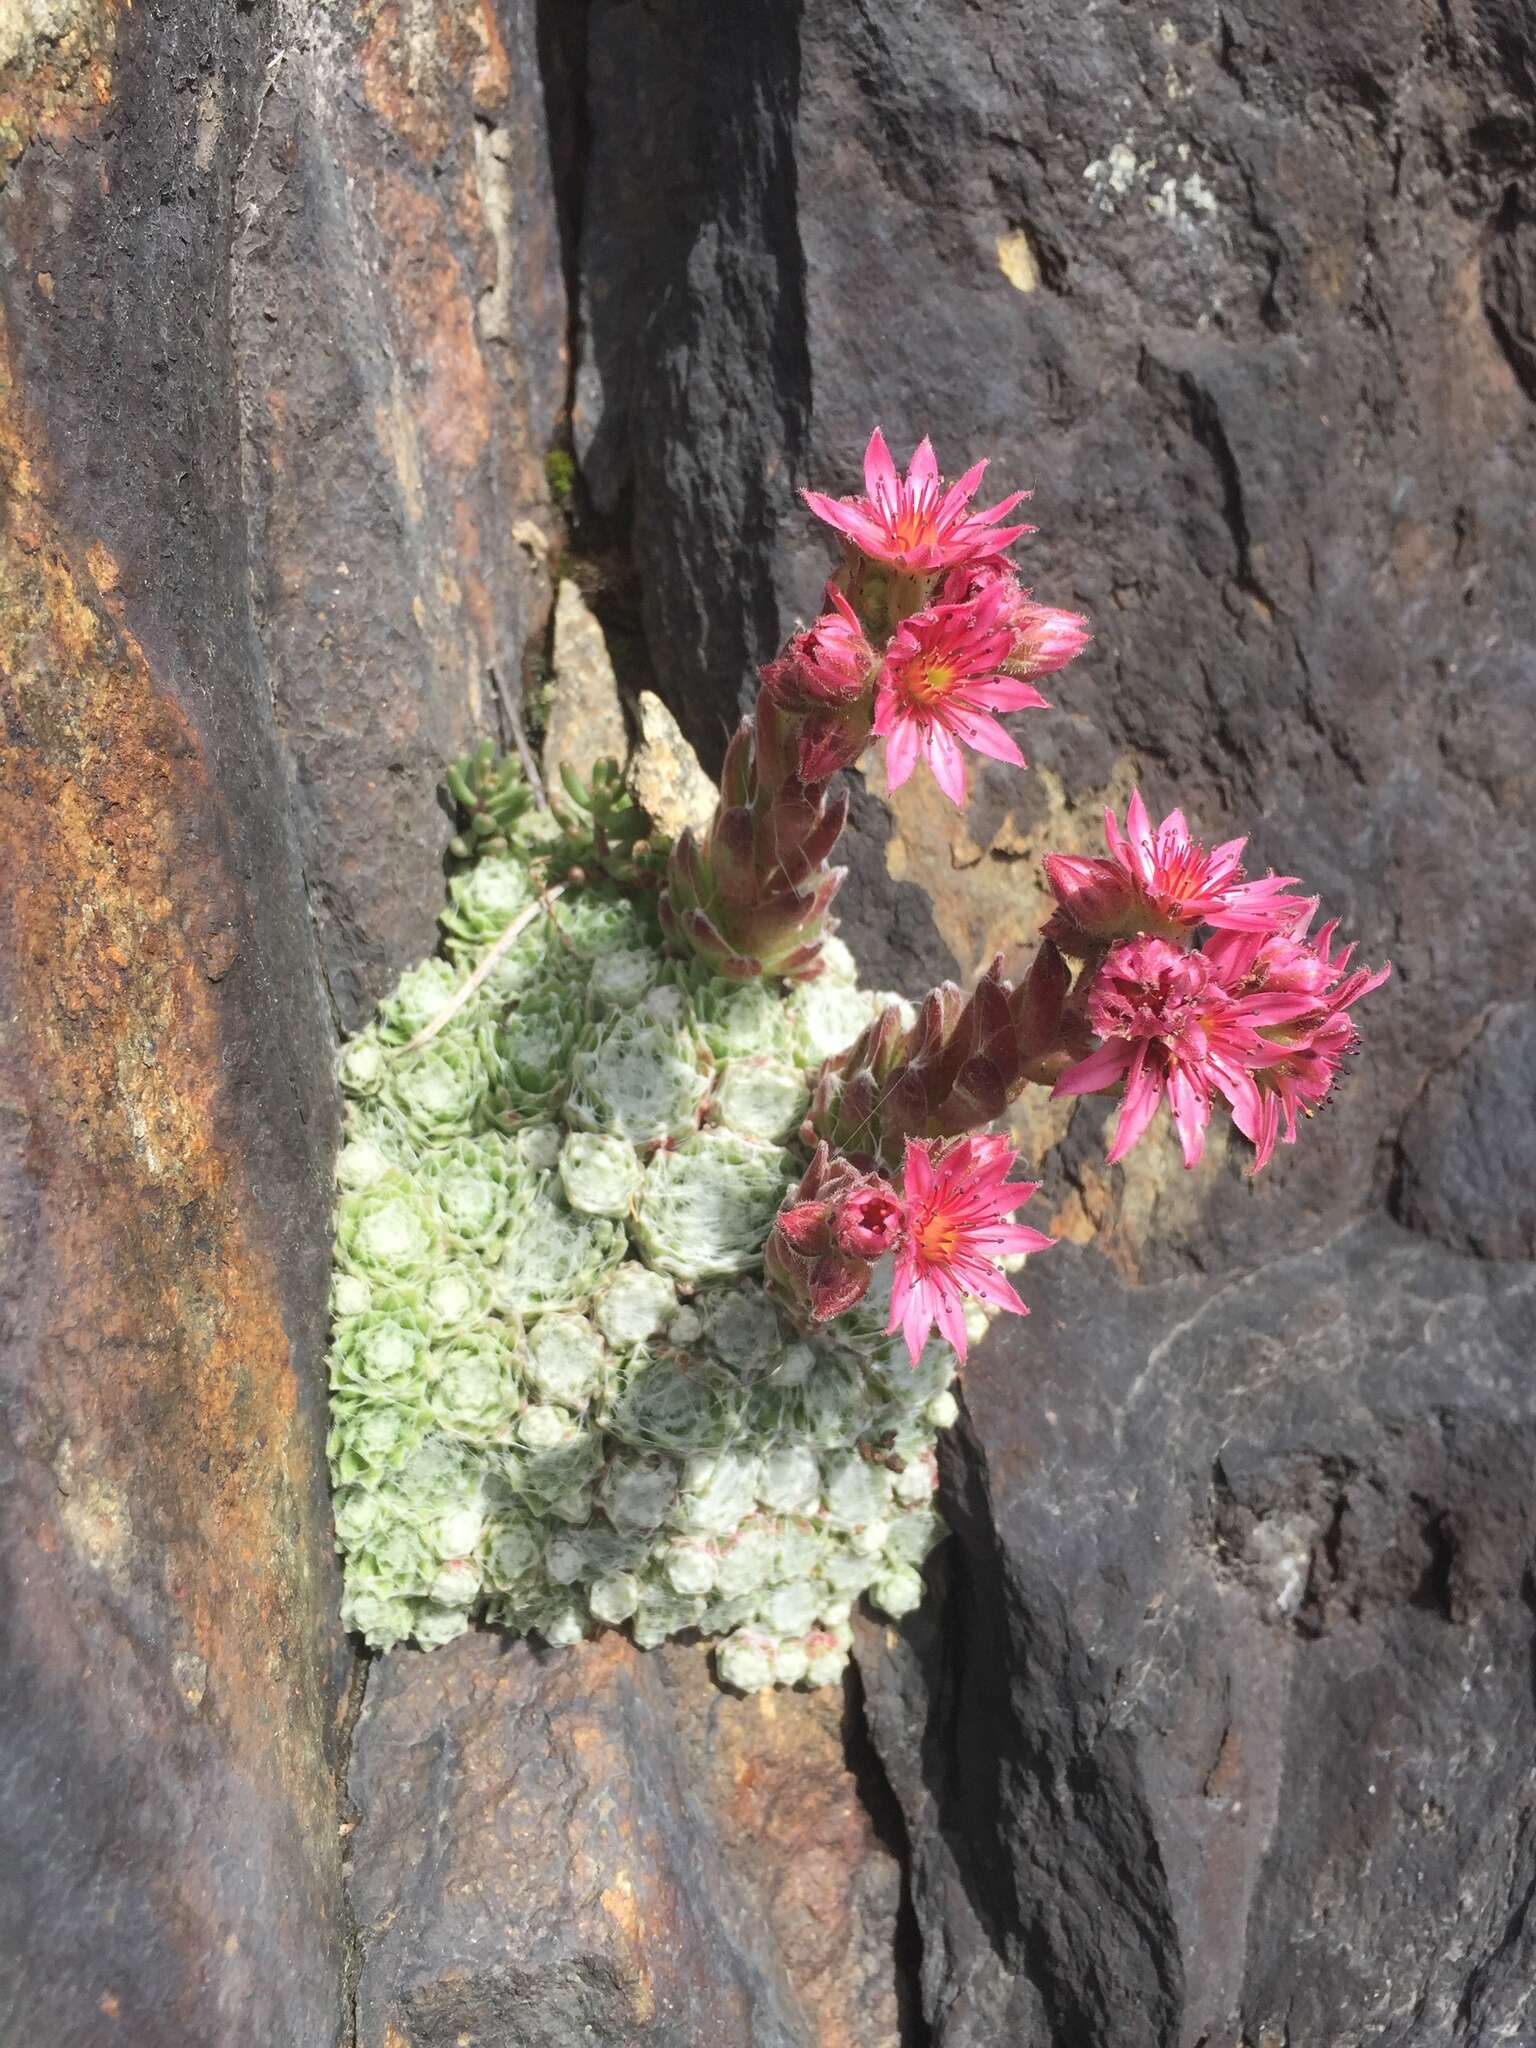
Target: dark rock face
[[1469, 1146], [1227, 295], [599, 1845], [1221, 1732]]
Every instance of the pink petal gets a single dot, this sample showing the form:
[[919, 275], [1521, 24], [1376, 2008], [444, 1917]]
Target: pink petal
[[1242, 1096], [1006, 693], [1261, 1010], [959, 493], [832, 510], [1101, 1069], [947, 763], [980, 730], [916, 1172], [951, 1317], [901, 750], [1191, 1109], [862, 530], [1137, 1109], [1138, 834], [1114, 839], [922, 469], [991, 1286], [840, 604], [990, 512], [985, 543], [1359, 984], [878, 466], [1018, 1237], [1264, 1137], [1224, 858]]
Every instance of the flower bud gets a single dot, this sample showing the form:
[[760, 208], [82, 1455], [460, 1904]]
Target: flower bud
[[824, 1242]]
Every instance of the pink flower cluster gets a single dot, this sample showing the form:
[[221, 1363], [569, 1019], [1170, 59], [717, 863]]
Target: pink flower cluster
[[1165, 972], [963, 638], [945, 1225], [1255, 1013]]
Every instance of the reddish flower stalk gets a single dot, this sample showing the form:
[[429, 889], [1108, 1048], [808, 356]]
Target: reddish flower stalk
[[927, 637], [751, 896], [956, 1068]]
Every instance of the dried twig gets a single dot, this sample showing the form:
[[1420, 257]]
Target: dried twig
[[510, 713], [461, 996]]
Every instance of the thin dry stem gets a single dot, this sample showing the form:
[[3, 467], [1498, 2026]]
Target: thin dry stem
[[513, 717], [461, 996]]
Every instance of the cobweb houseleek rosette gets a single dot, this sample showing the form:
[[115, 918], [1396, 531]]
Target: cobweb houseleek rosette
[[528, 1377]]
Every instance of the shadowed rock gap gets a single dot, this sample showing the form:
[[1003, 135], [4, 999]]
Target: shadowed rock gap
[[601, 557], [878, 1798], [346, 1821]]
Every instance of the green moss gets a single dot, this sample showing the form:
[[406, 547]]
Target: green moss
[[560, 475]]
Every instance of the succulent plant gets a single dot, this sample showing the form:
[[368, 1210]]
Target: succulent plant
[[492, 798], [600, 1175], [706, 1205], [484, 900], [760, 1097], [604, 831], [638, 1183], [526, 1055], [438, 1093], [553, 1257], [471, 1183], [637, 1076], [417, 997], [561, 1398]]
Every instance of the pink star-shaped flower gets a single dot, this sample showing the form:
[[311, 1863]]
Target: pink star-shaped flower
[[1159, 880], [954, 1197], [914, 523], [940, 683]]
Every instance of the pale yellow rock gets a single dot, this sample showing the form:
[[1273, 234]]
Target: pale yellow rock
[[665, 774], [586, 720], [1018, 262]]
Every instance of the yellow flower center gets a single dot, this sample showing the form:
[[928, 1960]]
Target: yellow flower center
[[937, 1239], [912, 526], [928, 682]]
